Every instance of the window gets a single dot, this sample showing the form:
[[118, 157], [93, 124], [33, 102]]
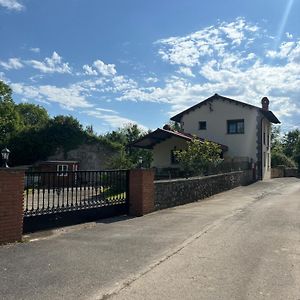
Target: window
[[235, 126], [202, 125], [264, 138], [62, 170]]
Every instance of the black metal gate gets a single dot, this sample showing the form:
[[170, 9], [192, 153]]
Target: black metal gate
[[69, 197]]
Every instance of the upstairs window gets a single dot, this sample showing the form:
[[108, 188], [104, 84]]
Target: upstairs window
[[235, 126], [62, 170], [202, 125]]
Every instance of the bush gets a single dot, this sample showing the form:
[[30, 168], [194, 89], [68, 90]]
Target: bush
[[279, 158]]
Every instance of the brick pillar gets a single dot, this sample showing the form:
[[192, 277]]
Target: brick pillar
[[11, 205], [141, 192]]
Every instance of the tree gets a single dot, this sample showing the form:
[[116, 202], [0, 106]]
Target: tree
[[290, 141], [32, 115], [198, 157], [297, 155], [280, 159], [10, 122], [276, 139], [129, 156], [5, 92]]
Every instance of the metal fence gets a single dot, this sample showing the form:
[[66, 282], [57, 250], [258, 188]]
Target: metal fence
[[54, 192]]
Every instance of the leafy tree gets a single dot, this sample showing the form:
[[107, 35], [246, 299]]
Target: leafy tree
[[121, 160], [32, 115], [290, 141], [276, 139], [280, 159], [297, 154], [10, 122], [198, 157], [129, 156], [283, 148], [5, 92]]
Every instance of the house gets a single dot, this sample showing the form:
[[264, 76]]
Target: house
[[242, 130]]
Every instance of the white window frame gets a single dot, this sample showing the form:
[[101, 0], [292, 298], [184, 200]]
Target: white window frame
[[62, 170]]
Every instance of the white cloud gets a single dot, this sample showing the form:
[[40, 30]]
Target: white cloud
[[100, 68], [35, 50], [105, 69], [113, 120], [190, 50], [51, 64], [67, 97], [121, 83], [151, 79], [12, 5], [284, 50], [12, 63], [106, 110], [186, 71], [88, 70]]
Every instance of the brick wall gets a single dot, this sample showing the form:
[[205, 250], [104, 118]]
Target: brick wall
[[169, 193], [11, 205], [141, 192]]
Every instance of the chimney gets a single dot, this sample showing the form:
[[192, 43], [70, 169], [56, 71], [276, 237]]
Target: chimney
[[167, 127], [265, 103]]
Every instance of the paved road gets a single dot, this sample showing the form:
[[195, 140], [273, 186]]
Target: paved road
[[252, 254], [241, 244]]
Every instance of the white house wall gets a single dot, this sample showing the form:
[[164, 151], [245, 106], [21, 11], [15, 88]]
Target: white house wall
[[216, 114], [266, 149], [162, 152]]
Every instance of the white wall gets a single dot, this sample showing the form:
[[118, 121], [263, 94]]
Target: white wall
[[216, 114], [266, 149], [162, 152]]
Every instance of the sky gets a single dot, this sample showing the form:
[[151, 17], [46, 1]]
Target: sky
[[110, 63]]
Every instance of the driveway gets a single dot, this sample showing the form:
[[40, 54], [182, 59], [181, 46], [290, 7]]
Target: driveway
[[240, 244]]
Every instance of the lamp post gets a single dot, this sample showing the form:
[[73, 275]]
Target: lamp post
[[140, 162], [5, 155]]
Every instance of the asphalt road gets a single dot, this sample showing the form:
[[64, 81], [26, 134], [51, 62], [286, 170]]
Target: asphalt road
[[253, 254], [241, 244]]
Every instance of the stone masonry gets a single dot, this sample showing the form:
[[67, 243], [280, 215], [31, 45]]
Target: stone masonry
[[169, 193]]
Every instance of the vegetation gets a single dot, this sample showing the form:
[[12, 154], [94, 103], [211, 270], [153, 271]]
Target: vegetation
[[198, 157], [128, 156], [285, 148], [32, 135]]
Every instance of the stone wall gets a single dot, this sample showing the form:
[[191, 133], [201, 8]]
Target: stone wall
[[89, 156], [169, 193], [291, 172], [277, 172], [282, 171]]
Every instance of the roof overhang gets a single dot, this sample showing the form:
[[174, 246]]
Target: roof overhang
[[160, 135], [157, 136], [270, 116]]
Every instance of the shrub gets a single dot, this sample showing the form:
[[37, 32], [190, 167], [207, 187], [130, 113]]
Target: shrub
[[279, 158]]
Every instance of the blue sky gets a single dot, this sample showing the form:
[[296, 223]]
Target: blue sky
[[109, 63]]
